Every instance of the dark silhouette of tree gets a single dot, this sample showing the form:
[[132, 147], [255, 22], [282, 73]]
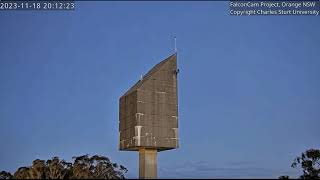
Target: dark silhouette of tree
[[84, 167], [5, 175], [310, 164], [284, 177]]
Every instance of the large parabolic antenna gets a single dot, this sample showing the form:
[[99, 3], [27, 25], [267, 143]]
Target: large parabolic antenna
[[149, 116]]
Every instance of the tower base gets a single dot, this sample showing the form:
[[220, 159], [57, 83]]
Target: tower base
[[147, 163]]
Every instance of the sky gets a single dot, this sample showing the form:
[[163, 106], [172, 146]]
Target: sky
[[248, 87]]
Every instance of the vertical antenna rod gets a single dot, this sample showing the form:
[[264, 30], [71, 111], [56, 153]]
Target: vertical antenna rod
[[175, 44]]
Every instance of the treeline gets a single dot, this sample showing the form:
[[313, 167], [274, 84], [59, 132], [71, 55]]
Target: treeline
[[100, 167], [83, 167]]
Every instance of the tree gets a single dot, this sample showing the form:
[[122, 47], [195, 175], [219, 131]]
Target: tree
[[57, 169], [310, 164], [5, 175], [83, 167], [98, 167], [284, 177]]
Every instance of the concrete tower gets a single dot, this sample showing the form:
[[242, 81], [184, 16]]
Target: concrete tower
[[149, 116]]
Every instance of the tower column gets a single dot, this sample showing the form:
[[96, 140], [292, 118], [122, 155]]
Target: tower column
[[147, 163]]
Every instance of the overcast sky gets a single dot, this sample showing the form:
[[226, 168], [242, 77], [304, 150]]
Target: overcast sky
[[249, 88]]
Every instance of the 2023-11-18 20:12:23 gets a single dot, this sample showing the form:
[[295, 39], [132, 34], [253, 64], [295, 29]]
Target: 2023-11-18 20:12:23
[[23, 5]]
